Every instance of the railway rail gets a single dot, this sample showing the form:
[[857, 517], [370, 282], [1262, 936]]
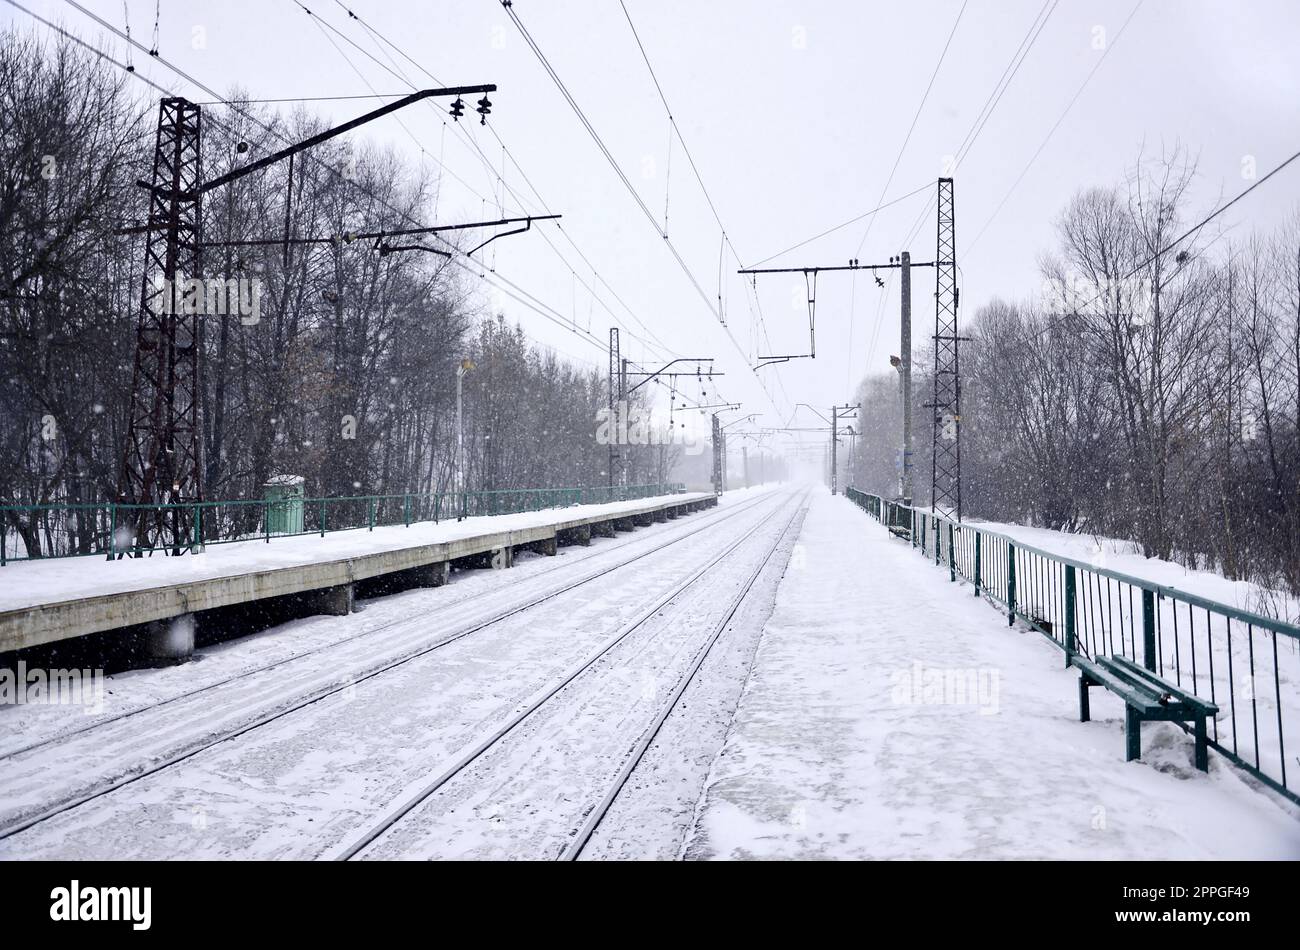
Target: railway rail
[[457, 631], [714, 518], [595, 813]]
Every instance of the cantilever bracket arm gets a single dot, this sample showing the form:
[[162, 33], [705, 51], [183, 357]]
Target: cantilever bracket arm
[[377, 236], [660, 371], [237, 173], [340, 129], [817, 270], [528, 223]]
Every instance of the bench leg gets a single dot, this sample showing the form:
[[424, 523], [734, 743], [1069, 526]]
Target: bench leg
[[1084, 711], [1132, 734], [1202, 749]]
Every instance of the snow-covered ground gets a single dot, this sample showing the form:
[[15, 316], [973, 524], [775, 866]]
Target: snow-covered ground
[[857, 706], [1251, 672], [848, 745], [301, 784], [24, 583], [374, 621]]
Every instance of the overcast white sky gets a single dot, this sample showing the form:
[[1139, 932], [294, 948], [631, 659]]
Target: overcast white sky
[[794, 113]]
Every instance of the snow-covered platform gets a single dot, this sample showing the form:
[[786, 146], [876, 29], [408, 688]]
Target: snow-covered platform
[[890, 714], [47, 601]]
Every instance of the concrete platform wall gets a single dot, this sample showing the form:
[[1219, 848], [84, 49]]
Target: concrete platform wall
[[323, 587]]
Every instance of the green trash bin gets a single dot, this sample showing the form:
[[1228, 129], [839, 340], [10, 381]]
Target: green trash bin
[[284, 497]]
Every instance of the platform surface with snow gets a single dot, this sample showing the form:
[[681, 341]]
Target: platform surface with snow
[[891, 714]]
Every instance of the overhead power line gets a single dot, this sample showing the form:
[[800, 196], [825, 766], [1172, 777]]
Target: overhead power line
[[853, 289], [394, 70], [368, 95], [494, 279], [1009, 73], [1057, 124], [1190, 232], [622, 176], [378, 37], [609, 157], [690, 158], [93, 49], [915, 116], [929, 185]]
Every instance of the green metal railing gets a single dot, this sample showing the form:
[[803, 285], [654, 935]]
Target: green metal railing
[[1236, 659], [105, 529]]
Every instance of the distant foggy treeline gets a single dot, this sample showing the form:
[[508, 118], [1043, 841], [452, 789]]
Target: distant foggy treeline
[[1155, 399], [346, 373]]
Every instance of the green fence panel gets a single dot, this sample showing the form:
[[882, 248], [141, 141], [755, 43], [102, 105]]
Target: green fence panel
[[1221, 653]]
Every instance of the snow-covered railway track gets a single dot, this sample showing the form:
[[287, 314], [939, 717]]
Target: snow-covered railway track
[[713, 517], [592, 814], [597, 814], [181, 727]]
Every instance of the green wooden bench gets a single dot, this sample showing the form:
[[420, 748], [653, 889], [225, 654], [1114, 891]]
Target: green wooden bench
[[1147, 698]]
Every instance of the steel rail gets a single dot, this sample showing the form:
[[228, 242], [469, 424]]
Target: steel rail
[[469, 600], [351, 849], [575, 847], [311, 698]]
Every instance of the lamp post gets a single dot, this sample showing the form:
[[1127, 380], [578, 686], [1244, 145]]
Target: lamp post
[[465, 366]]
